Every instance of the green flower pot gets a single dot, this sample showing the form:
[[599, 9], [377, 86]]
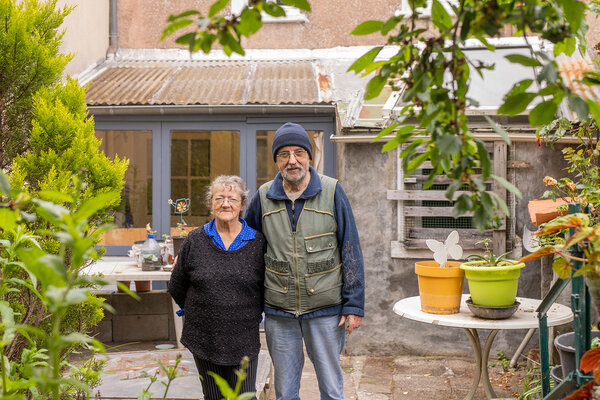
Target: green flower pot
[[492, 286]]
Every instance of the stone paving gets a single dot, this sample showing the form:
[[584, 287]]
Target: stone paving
[[413, 378], [365, 377]]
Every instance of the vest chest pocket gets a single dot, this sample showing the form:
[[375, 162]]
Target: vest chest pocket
[[277, 280], [319, 243]]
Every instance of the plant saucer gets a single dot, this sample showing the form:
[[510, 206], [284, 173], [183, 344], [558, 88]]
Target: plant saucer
[[487, 312]]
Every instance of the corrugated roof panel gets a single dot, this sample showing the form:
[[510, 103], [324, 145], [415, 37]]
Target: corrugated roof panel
[[205, 83], [290, 82], [210, 83], [127, 85]]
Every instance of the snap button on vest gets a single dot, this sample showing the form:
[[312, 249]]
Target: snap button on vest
[[312, 290], [310, 248], [330, 244]]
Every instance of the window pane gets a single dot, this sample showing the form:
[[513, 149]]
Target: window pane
[[179, 157], [266, 169], [135, 210], [197, 157], [200, 157], [198, 204]]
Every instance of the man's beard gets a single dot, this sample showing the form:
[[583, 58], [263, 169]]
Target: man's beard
[[295, 180]]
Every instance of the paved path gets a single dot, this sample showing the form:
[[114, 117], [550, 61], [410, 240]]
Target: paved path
[[411, 378], [365, 377]]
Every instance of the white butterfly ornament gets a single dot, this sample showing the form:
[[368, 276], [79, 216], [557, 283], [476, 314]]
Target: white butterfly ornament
[[441, 251]]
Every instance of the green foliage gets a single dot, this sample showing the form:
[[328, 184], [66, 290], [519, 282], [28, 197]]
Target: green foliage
[[504, 361], [532, 386], [29, 60], [89, 372], [63, 165], [55, 282], [227, 391], [582, 164], [434, 74], [582, 160], [228, 31], [489, 258], [585, 236], [170, 373], [63, 145]]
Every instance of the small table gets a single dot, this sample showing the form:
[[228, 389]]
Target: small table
[[126, 269], [524, 318]]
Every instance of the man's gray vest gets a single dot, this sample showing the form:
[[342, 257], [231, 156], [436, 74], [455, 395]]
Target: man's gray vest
[[303, 268]]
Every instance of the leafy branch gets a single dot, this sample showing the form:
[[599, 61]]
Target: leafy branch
[[433, 74]]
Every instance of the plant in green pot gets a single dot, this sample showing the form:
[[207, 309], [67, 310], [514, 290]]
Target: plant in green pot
[[493, 280]]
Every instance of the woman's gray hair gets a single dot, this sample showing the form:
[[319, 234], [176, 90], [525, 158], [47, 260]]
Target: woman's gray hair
[[228, 181]]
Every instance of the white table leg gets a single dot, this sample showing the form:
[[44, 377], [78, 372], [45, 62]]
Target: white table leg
[[487, 386], [177, 323], [481, 358], [474, 339]]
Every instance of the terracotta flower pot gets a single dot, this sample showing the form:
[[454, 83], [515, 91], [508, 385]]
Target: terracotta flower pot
[[440, 288]]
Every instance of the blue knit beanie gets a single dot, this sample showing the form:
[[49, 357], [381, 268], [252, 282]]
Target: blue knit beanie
[[290, 134]]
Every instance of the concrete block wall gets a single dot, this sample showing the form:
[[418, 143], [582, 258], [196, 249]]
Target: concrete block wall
[[149, 319]]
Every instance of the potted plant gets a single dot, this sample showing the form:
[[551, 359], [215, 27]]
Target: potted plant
[[178, 239], [586, 235], [441, 281], [180, 207], [493, 280], [559, 236]]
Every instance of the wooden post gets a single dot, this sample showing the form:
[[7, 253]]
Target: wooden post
[[499, 235]]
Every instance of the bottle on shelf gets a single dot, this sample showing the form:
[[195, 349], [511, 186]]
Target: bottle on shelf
[[150, 254]]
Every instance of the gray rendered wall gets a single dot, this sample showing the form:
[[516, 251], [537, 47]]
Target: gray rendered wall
[[366, 174]]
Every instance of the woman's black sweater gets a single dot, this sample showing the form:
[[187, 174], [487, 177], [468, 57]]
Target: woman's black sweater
[[222, 293]]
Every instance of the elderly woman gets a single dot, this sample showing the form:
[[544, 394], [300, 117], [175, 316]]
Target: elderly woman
[[219, 280]]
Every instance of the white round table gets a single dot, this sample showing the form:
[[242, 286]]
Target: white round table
[[524, 318]]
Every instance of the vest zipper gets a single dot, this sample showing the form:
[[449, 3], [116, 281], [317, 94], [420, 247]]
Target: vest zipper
[[297, 277], [297, 272]]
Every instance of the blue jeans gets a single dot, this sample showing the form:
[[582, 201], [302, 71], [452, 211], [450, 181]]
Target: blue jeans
[[324, 341]]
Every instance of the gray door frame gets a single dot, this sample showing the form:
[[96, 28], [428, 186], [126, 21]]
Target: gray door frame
[[162, 126]]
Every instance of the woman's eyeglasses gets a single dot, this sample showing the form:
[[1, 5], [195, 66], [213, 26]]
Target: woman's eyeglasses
[[231, 200]]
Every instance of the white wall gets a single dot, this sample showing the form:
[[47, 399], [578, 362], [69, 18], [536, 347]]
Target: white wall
[[86, 33]]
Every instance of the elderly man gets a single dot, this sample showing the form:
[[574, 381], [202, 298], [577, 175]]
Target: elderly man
[[314, 278]]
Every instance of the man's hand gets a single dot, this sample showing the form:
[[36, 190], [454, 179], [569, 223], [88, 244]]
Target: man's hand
[[354, 322]]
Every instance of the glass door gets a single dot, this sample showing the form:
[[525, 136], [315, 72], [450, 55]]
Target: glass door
[[266, 169], [135, 209], [176, 159], [261, 134], [197, 157]]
